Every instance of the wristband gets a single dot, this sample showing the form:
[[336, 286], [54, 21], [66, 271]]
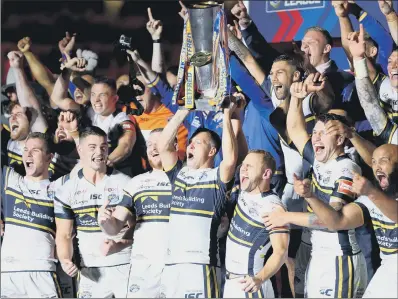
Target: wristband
[[157, 41], [361, 69]]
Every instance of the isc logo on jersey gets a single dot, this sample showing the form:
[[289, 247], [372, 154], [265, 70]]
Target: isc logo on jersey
[[193, 295], [326, 292]]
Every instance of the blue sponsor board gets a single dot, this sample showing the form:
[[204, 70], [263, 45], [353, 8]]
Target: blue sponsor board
[[274, 6]]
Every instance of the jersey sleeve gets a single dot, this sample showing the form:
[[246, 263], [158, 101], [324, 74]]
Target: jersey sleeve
[[279, 229], [161, 88], [62, 197], [173, 172], [342, 191], [127, 202], [361, 204], [308, 152], [390, 133]]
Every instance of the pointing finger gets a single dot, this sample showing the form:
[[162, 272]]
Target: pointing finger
[[182, 4], [150, 14]]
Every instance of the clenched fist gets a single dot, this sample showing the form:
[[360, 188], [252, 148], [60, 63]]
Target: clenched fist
[[24, 44], [303, 188], [16, 59]]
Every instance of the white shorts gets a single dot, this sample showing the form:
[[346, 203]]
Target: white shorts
[[189, 281], [384, 281], [67, 283], [144, 279], [103, 282], [233, 289], [336, 276], [302, 258], [30, 285]]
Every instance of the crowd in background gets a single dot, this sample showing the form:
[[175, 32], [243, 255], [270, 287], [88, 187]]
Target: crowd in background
[[111, 188]]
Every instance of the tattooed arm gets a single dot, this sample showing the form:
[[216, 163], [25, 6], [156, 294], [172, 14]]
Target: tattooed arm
[[246, 57]]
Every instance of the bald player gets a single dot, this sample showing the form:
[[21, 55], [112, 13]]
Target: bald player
[[378, 203]]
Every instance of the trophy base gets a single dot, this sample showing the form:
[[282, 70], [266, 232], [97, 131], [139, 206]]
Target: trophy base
[[203, 104]]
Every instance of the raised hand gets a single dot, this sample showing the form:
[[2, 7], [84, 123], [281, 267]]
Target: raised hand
[[356, 43], [135, 56], [312, 82], [16, 59], [235, 30], [66, 44], [154, 27], [360, 185], [69, 268], [240, 12], [24, 44], [336, 127], [90, 56], [183, 12], [341, 8], [298, 90], [68, 121], [302, 187], [386, 6], [74, 64]]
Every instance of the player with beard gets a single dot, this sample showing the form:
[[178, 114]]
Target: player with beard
[[27, 251], [343, 272], [104, 259], [248, 240], [377, 203], [146, 203]]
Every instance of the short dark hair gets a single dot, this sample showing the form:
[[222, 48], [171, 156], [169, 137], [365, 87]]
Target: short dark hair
[[107, 81], [91, 130], [173, 69], [215, 139], [268, 160], [291, 60], [325, 33], [325, 117], [48, 143]]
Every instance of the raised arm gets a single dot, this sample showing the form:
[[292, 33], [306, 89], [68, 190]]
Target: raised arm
[[166, 145], [366, 91], [364, 147], [246, 57], [387, 205], [149, 75], [125, 143], [387, 9], [229, 145], [341, 9], [155, 28], [60, 91], [295, 121], [26, 96], [39, 71]]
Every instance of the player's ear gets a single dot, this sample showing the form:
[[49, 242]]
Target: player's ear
[[267, 175], [340, 140]]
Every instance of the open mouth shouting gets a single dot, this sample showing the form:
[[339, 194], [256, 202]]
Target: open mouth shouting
[[394, 74], [319, 149], [29, 164], [98, 159], [14, 128], [382, 178]]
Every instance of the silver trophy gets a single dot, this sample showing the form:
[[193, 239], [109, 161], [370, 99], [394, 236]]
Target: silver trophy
[[203, 64]]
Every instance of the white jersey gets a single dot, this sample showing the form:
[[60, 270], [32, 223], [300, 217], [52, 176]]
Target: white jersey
[[29, 238], [385, 229], [110, 122], [332, 182], [79, 200], [148, 197], [248, 239], [198, 203], [389, 99], [293, 162]]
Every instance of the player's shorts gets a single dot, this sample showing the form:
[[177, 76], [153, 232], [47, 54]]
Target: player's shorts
[[384, 282], [233, 289], [189, 281], [145, 279], [67, 283], [30, 285], [336, 276], [103, 282], [302, 258]]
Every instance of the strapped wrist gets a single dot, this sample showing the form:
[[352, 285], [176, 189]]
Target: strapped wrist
[[361, 68]]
